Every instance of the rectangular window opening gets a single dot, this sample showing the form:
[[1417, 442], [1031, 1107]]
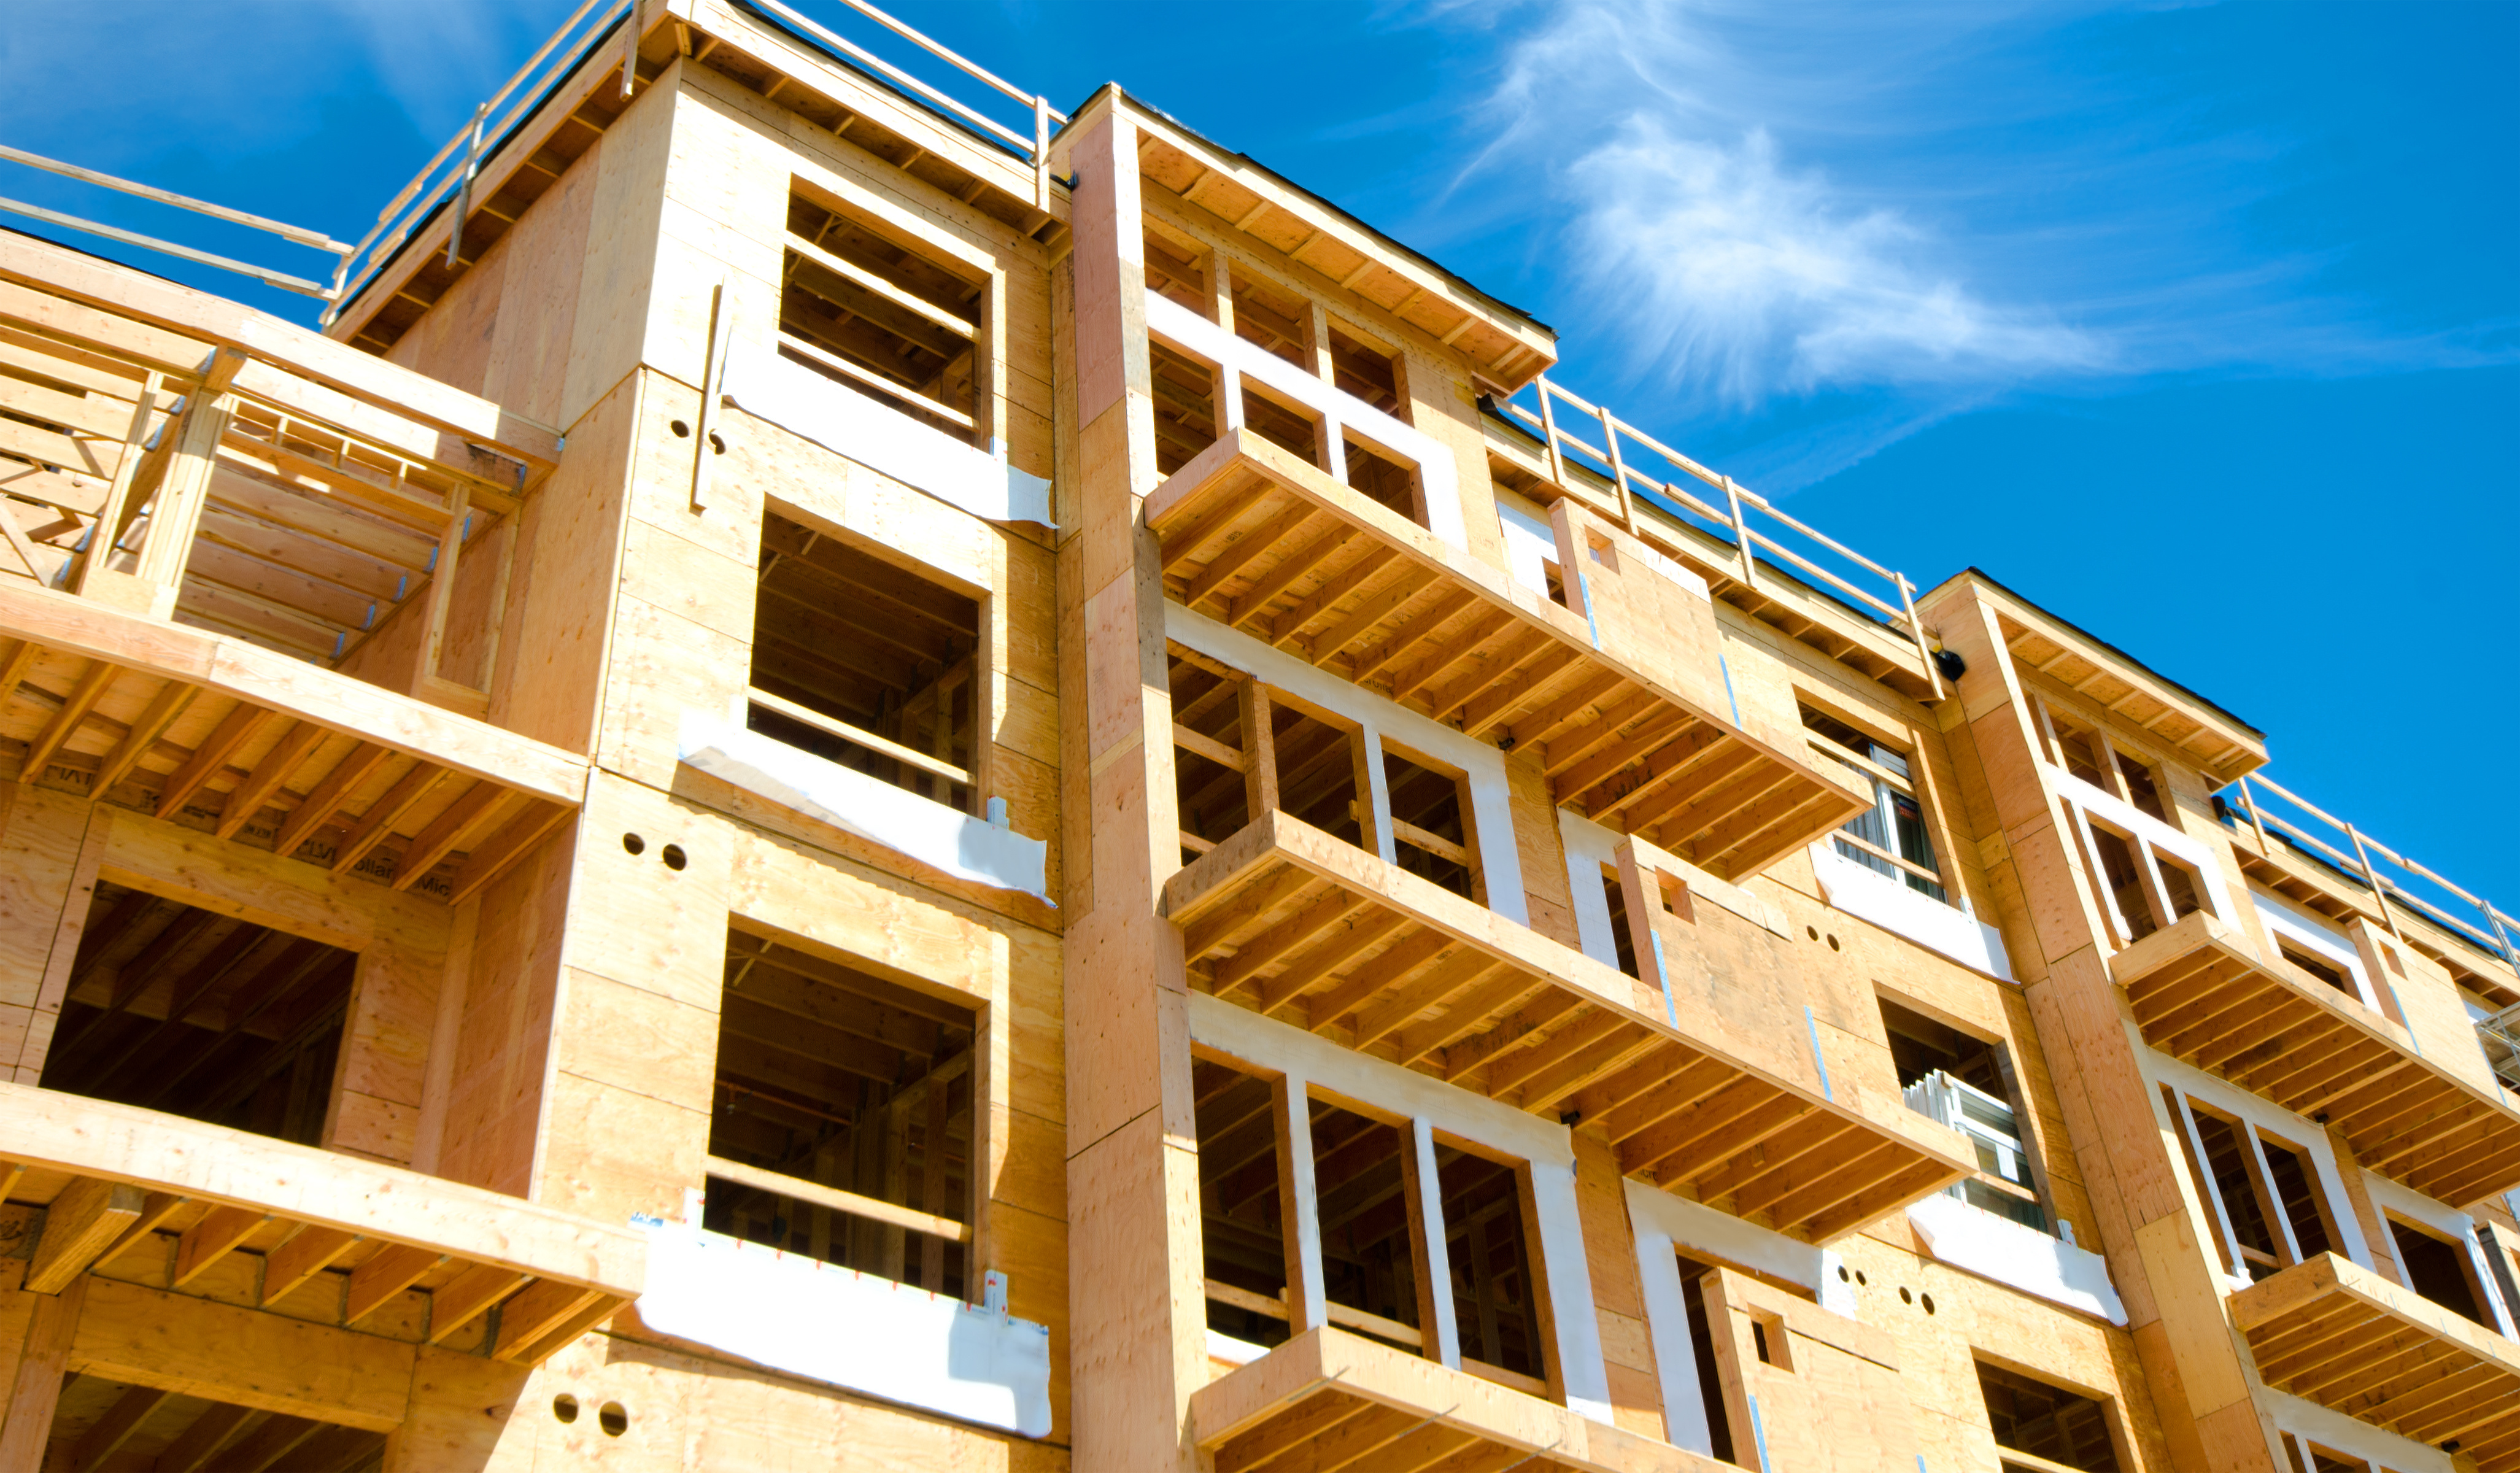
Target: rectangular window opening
[[2080, 748], [1892, 837], [2234, 1178], [1386, 480], [1430, 825], [2125, 882], [2047, 1422], [1178, 272], [1369, 1275], [1185, 394], [1287, 425], [1694, 1278], [1965, 1082], [2439, 1271], [2142, 788], [2317, 966], [874, 312], [1322, 778], [2295, 1185], [2185, 890], [835, 1084], [1242, 1230], [861, 661], [1369, 373], [1212, 795], [1622, 936], [1494, 1297], [175, 1009], [1271, 318]]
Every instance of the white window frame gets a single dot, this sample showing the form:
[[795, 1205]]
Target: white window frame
[[1482, 767], [2389, 1197], [1666, 1227], [2309, 1140], [2314, 934], [1305, 1060]]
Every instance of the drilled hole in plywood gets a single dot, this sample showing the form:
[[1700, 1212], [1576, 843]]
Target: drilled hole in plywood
[[634, 844], [1905, 1297], [682, 431], [1929, 1302], [1832, 942], [717, 442], [674, 857], [1812, 931], [612, 1418], [565, 1406]]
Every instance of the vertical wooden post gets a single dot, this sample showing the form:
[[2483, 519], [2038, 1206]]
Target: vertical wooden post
[[181, 493], [1259, 750], [2371, 876], [935, 1198], [1548, 433], [1741, 537], [1422, 1187], [1916, 631], [111, 517], [1618, 470], [1299, 1219], [27, 1415]]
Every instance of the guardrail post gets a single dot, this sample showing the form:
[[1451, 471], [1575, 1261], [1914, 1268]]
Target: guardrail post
[[1741, 537], [1040, 153], [2379, 890], [2249, 799], [1548, 435], [2493, 918], [463, 197], [1916, 631], [1619, 472]]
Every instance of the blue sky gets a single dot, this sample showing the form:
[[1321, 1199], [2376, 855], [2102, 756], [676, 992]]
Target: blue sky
[[2198, 325]]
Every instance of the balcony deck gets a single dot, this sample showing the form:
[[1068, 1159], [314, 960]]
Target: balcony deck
[[112, 1177], [1267, 543], [2200, 998], [2336, 1333], [1296, 924], [211, 728], [1329, 1399]]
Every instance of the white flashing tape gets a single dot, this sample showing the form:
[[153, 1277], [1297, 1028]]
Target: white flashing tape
[[836, 1325], [2022, 1257], [882, 438], [927, 830], [1868, 894]]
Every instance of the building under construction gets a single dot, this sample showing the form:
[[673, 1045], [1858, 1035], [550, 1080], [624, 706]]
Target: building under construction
[[856, 775]]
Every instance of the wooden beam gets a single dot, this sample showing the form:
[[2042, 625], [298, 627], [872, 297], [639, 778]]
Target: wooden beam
[[83, 1220]]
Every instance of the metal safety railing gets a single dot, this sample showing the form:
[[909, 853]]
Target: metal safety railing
[[2413, 887], [1754, 526]]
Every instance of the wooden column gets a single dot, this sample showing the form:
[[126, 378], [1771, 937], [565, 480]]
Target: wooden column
[[1139, 1345], [35, 1332], [2154, 1230]]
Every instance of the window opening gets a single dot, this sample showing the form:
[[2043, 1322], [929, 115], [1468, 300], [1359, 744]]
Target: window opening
[[2047, 1422], [1185, 416], [2234, 1182], [1210, 784], [1321, 778], [2125, 882], [2294, 1185], [1493, 1300], [866, 663], [1966, 1084], [2181, 884], [176, 1009], [1289, 426], [1272, 318], [1367, 372], [2318, 968], [2439, 1271], [837, 1088], [2142, 790], [860, 306], [1621, 937], [1892, 836], [1430, 826], [1369, 1269], [2080, 748], [1241, 1211], [1174, 271], [1693, 1278], [1385, 480]]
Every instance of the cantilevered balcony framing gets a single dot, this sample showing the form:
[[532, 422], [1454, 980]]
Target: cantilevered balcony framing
[[2336, 1333], [1300, 927], [2199, 997], [113, 1181], [1259, 540], [1328, 1399], [253, 745]]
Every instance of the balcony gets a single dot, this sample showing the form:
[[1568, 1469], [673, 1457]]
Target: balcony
[[113, 1178], [2199, 997], [2330, 1332], [1295, 924], [1262, 541], [1329, 1399]]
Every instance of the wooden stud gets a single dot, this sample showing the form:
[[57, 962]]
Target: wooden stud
[[83, 1220]]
